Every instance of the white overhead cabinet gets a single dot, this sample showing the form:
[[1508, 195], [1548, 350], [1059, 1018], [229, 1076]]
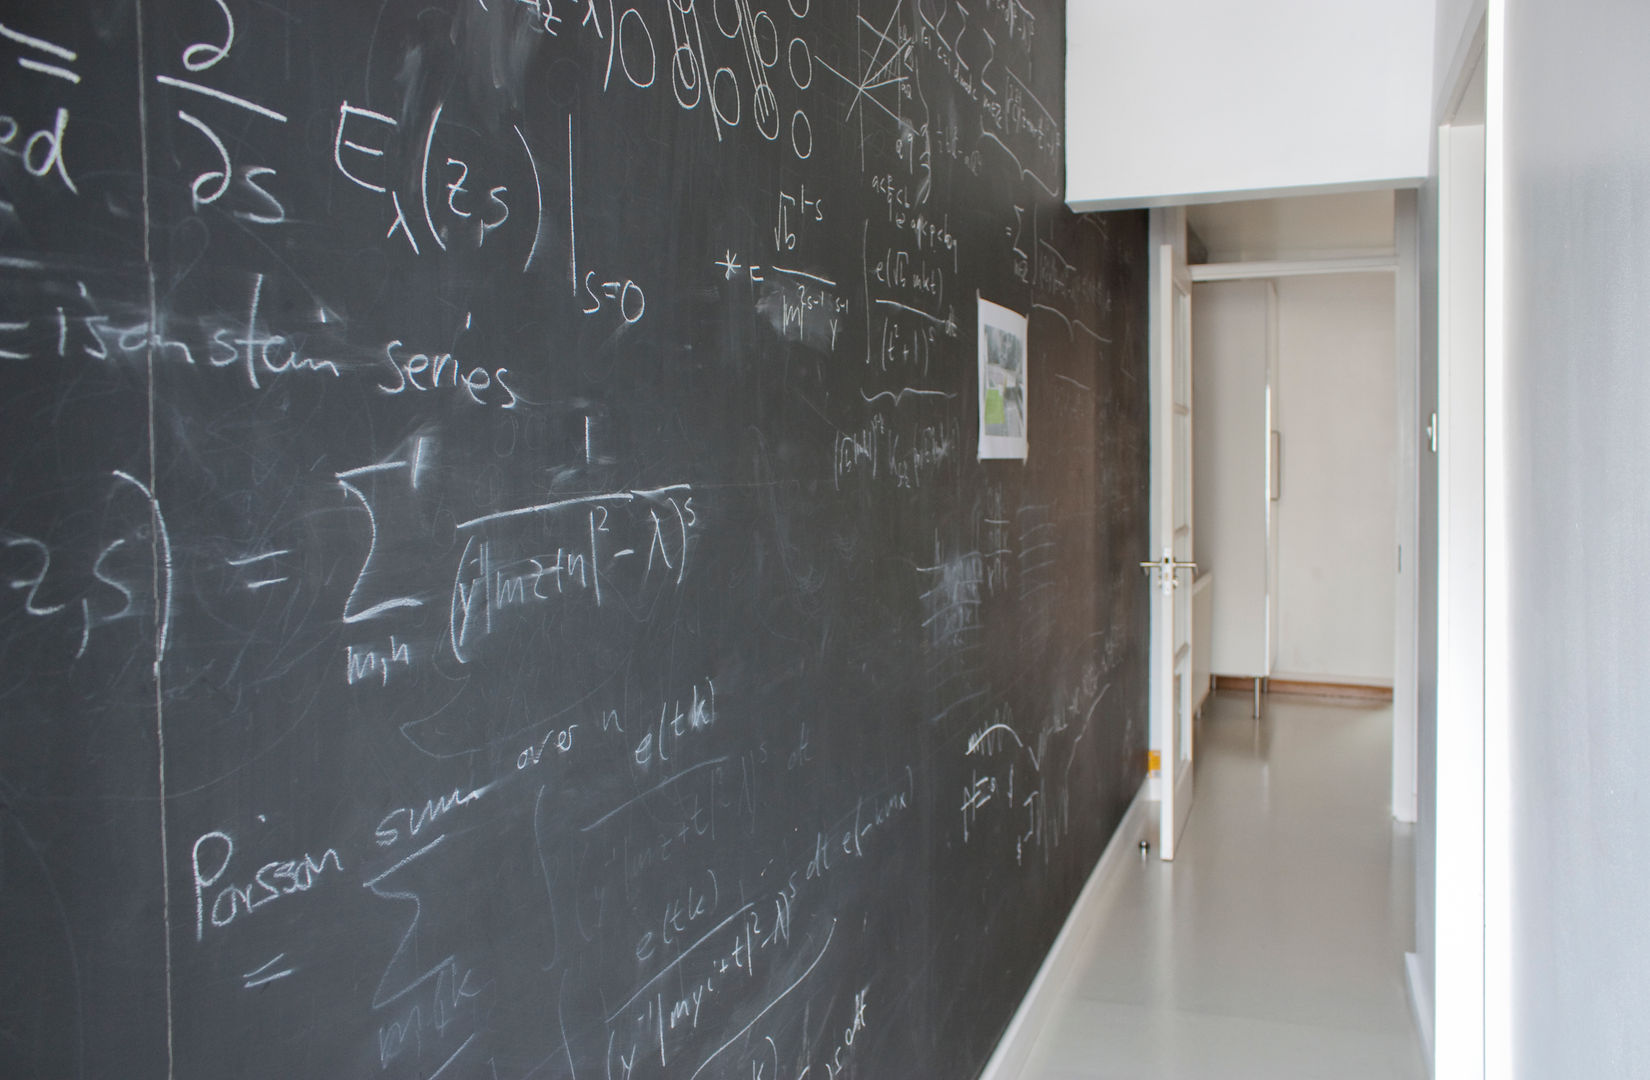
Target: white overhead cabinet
[[1264, 97]]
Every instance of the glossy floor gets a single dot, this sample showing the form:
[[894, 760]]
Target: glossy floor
[[1273, 945]]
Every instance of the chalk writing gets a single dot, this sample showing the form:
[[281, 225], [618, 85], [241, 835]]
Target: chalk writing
[[407, 823], [628, 543], [363, 663], [906, 456], [422, 372], [209, 859], [42, 150]]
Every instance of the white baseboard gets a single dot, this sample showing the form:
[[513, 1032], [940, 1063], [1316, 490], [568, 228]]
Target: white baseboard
[[1420, 1004], [1015, 1050]]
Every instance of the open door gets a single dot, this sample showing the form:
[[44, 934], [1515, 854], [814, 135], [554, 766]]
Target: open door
[[1171, 651]]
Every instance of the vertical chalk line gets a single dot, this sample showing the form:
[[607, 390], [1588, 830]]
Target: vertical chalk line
[[156, 529], [572, 234]]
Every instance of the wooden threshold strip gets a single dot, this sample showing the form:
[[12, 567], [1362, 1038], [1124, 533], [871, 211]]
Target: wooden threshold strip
[[1305, 688]]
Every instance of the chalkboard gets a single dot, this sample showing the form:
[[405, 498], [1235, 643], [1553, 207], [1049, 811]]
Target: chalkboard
[[498, 578]]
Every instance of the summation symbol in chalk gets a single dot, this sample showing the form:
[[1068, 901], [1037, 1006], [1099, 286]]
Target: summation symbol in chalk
[[352, 481]]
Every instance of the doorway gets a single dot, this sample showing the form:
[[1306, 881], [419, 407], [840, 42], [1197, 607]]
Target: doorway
[[1297, 362]]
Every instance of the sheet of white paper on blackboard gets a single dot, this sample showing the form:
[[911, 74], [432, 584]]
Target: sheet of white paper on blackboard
[[1002, 382]]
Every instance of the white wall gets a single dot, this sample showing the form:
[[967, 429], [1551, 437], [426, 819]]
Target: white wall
[[1336, 519], [1577, 514], [1265, 96], [1229, 362], [1307, 227]]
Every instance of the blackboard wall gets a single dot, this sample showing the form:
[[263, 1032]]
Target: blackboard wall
[[499, 582]]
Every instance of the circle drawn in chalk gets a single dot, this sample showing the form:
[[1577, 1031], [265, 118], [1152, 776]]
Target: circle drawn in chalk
[[806, 127], [808, 60]]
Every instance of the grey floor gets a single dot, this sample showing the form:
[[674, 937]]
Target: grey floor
[[1273, 945]]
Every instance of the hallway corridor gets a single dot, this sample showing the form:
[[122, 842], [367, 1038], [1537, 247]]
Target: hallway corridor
[[1273, 946]]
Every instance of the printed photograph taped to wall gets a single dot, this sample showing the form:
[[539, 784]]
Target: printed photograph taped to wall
[[1002, 382]]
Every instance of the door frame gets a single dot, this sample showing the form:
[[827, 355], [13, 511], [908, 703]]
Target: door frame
[[1406, 701], [1472, 1035], [1170, 709], [1459, 941]]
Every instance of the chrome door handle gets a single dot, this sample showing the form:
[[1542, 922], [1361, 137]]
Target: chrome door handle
[[1166, 567]]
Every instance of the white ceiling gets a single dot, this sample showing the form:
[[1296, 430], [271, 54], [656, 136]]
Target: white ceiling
[[1308, 226]]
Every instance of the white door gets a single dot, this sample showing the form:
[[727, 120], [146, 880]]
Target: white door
[[1172, 568]]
